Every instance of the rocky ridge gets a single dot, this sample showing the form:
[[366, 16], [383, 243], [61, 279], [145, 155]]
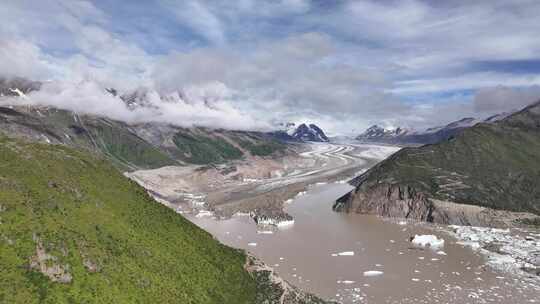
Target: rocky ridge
[[399, 135], [484, 176]]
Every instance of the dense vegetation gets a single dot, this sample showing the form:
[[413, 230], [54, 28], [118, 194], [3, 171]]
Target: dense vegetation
[[114, 139], [201, 149], [260, 148], [493, 165], [69, 215], [132, 147], [126, 149]]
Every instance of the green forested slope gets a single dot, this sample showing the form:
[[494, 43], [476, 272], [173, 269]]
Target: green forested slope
[[72, 216], [493, 165]]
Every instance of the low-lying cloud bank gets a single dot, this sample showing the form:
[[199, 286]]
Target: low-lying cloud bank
[[209, 106]]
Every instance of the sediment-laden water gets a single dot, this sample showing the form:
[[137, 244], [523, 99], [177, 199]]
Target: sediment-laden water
[[365, 259]]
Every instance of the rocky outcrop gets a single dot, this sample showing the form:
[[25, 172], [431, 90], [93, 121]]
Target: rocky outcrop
[[272, 289], [388, 200], [396, 201], [49, 265]]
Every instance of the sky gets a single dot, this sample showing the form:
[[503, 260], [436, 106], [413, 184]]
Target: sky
[[253, 64]]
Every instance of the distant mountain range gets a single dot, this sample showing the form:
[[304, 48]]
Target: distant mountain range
[[377, 134], [465, 180], [135, 146], [129, 146]]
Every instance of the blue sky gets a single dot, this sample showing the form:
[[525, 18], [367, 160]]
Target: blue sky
[[343, 64]]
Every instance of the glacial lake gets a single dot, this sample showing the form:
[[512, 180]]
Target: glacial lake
[[365, 259]]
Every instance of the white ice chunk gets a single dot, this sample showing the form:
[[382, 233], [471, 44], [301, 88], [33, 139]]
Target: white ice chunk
[[372, 273], [428, 240], [204, 213]]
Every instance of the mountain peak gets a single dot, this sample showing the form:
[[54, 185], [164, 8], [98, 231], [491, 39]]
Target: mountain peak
[[309, 132], [375, 132]]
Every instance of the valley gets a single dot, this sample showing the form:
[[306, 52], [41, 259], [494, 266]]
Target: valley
[[276, 202], [283, 215], [259, 186], [269, 152]]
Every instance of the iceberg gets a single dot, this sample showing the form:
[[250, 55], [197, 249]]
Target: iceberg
[[428, 240], [372, 273]]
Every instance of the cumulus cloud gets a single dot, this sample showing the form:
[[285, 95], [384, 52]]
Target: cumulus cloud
[[503, 99], [250, 64], [19, 57]]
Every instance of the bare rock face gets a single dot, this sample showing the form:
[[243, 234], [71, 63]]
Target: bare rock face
[[388, 200], [272, 289], [398, 201], [49, 266]]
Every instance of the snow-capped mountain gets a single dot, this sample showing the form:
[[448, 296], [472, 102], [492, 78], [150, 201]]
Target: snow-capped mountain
[[290, 128], [377, 134], [309, 132], [17, 87]]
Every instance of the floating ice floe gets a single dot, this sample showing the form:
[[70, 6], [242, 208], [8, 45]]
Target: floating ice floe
[[250, 180], [285, 224], [204, 213], [242, 214], [372, 273], [428, 240], [270, 221], [513, 250], [301, 193], [197, 203]]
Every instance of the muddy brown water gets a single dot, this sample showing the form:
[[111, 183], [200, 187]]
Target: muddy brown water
[[304, 254]]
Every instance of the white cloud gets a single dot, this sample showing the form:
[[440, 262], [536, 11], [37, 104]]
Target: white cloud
[[198, 17], [470, 81], [19, 57], [503, 99], [343, 64], [198, 106]]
